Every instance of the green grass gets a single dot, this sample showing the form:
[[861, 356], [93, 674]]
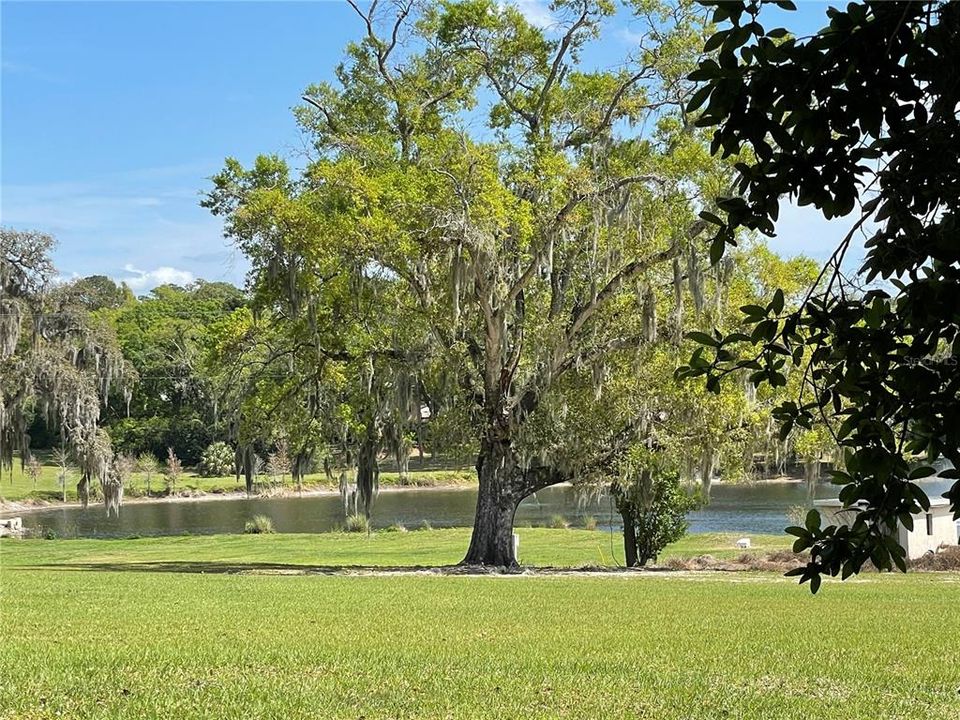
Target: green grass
[[17, 485], [87, 642], [538, 547]]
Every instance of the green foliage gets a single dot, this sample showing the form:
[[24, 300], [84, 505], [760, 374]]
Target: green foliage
[[259, 525], [860, 121], [217, 460], [558, 522], [654, 510], [164, 335]]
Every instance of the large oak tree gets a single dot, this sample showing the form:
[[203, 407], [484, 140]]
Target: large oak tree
[[528, 205]]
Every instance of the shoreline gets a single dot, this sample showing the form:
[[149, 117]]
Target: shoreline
[[27, 505], [32, 505]]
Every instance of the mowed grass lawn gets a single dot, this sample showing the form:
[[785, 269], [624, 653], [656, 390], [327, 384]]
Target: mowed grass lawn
[[133, 629]]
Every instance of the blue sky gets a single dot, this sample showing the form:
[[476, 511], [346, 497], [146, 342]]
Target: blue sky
[[114, 114]]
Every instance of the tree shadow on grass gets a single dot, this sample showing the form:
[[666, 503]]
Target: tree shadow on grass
[[212, 567], [263, 568]]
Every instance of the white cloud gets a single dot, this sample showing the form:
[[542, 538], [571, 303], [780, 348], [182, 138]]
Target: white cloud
[[163, 275], [536, 12], [628, 36], [146, 217]]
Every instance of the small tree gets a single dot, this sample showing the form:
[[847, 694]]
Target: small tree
[[34, 470], [126, 466], [173, 471], [148, 466], [61, 456], [278, 463], [217, 460], [654, 509]]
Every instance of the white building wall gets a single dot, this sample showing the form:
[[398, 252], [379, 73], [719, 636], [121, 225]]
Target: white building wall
[[924, 538], [941, 530]]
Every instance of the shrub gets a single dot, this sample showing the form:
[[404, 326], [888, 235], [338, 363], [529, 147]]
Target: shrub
[[260, 525], [357, 523], [590, 522], [217, 460], [396, 527], [559, 522], [654, 508], [425, 525]]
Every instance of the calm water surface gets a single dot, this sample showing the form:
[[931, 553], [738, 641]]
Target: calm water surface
[[748, 508]]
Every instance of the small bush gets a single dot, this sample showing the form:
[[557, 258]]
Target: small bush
[[217, 460], [260, 525], [49, 534], [590, 523], [425, 525], [559, 522], [357, 523], [396, 527]]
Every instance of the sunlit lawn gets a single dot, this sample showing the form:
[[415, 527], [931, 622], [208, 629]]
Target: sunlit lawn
[[105, 628]]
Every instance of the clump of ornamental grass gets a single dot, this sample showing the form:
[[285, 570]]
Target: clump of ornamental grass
[[259, 525], [357, 523], [559, 522], [590, 523]]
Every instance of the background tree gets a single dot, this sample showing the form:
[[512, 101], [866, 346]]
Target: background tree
[[164, 335], [859, 120], [57, 360]]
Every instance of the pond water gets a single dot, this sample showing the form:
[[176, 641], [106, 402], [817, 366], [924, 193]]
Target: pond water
[[746, 508]]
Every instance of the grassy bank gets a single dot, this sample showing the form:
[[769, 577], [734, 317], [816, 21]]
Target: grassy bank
[[19, 486], [127, 629]]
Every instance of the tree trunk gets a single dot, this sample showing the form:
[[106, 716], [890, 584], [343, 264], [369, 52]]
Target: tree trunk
[[811, 471], [301, 463], [402, 453], [498, 496], [368, 473], [83, 490], [248, 468], [629, 539], [706, 474]]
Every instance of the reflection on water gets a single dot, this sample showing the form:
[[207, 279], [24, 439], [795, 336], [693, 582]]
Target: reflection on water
[[749, 508]]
